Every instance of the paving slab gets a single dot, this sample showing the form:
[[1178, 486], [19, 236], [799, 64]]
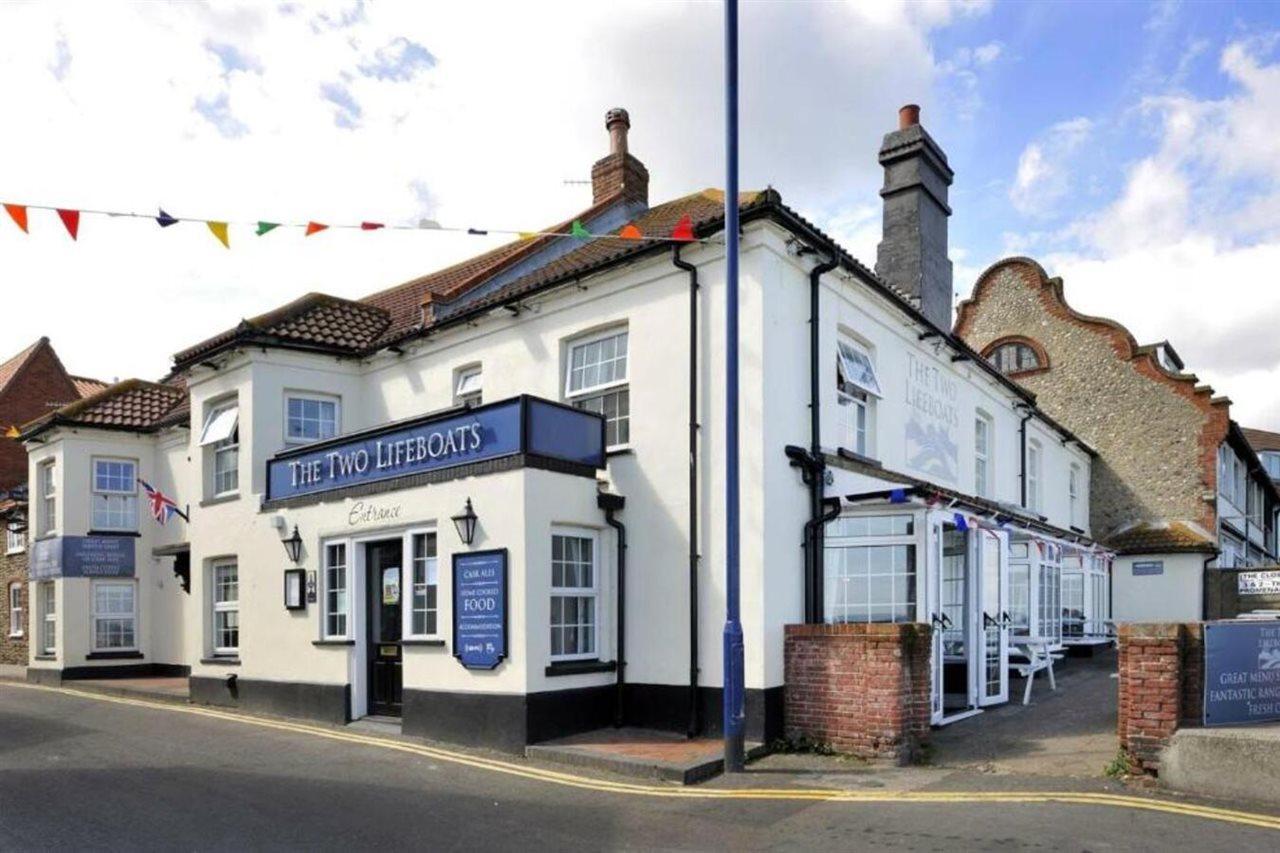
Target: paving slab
[[640, 753]]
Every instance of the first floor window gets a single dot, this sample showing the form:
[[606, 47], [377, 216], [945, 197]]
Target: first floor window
[[115, 494], [114, 615], [335, 589], [48, 484], [853, 420], [982, 456], [469, 391], [1033, 476], [424, 605], [1073, 495], [596, 381], [48, 618], [226, 608], [15, 540], [857, 385], [15, 610], [221, 434], [616, 408], [310, 419], [574, 588]]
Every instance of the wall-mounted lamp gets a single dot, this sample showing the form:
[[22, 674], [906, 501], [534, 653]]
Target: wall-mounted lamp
[[293, 545], [465, 522]]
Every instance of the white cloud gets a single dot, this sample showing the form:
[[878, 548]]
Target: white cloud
[[332, 111], [987, 53], [1046, 167]]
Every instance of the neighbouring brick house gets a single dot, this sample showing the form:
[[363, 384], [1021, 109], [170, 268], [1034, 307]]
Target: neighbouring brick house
[[32, 384], [1176, 485]]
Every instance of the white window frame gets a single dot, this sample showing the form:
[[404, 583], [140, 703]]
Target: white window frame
[[330, 570], [468, 385], [983, 428], [577, 592], [579, 397], [858, 365], [857, 389], [17, 621], [47, 480], [96, 616], [47, 598], [103, 497], [1073, 495], [431, 569], [15, 541], [308, 396], [221, 433], [836, 587], [1035, 465], [229, 606]]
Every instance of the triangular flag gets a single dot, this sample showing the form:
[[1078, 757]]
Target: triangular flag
[[165, 220], [480, 231], [429, 224], [219, 230], [579, 230], [371, 226], [18, 212], [527, 235], [71, 219], [961, 522], [630, 232], [898, 496], [315, 228], [12, 432], [264, 227], [683, 229]]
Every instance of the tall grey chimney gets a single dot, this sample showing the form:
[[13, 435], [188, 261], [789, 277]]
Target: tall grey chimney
[[912, 255]]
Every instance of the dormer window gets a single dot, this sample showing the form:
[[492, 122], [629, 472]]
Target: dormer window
[[1014, 357]]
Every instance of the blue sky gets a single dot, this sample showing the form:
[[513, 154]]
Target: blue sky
[[1133, 148]]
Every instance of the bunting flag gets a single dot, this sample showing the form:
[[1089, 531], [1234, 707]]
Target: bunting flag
[[18, 213], [315, 228], [630, 232], [219, 230], [528, 235], [683, 230], [264, 227], [165, 220], [371, 226], [12, 432], [478, 231], [71, 219], [962, 523], [898, 496], [579, 230]]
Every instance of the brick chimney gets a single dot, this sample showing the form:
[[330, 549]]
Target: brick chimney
[[619, 172], [912, 255]]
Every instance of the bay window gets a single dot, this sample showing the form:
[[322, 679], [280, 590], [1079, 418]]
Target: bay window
[[575, 579], [47, 482], [309, 418], [115, 495], [115, 616], [226, 607], [424, 604], [221, 436], [596, 381], [857, 388]]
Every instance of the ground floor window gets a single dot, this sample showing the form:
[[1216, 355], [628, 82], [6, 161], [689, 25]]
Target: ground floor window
[[226, 608], [1073, 604], [15, 610], [335, 590], [115, 616], [48, 618], [1020, 587], [575, 579], [870, 569], [424, 603]]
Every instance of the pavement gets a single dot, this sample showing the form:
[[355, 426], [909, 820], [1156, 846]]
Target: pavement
[[81, 770]]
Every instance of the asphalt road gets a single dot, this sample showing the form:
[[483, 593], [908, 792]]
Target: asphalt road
[[82, 773]]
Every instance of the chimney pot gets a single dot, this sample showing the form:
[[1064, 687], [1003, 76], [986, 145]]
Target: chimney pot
[[908, 116], [617, 122]]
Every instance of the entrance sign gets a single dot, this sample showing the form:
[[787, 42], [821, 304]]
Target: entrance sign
[[1241, 672], [521, 425], [480, 608], [83, 557], [1258, 583]]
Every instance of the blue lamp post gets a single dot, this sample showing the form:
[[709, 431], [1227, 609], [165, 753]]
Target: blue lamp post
[[734, 684]]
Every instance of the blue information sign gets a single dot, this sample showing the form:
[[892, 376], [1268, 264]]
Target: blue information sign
[[480, 608], [83, 557], [1241, 672]]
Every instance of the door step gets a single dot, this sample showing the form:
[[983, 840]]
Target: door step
[[376, 724]]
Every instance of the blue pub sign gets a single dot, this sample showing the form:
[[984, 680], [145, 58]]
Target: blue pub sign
[[83, 557], [1241, 672], [520, 425], [480, 608]]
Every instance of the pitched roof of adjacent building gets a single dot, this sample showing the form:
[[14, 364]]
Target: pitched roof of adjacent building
[[1261, 439], [1160, 538], [133, 405], [87, 386], [12, 367]]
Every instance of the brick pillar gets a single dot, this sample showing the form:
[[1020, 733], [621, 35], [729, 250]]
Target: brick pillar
[[1192, 675], [860, 689], [1151, 690]]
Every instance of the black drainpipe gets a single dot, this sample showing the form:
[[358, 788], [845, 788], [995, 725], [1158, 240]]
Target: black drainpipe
[[1022, 464], [612, 503], [817, 466], [695, 725]]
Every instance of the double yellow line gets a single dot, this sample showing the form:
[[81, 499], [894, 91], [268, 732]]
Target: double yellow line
[[571, 780]]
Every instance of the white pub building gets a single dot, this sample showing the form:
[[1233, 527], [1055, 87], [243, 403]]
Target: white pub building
[[489, 501]]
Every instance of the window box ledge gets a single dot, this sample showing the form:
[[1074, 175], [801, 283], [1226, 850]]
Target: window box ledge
[[44, 657], [220, 661], [121, 655], [424, 641], [333, 642], [620, 450], [127, 534], [220, 499], [580, 667]]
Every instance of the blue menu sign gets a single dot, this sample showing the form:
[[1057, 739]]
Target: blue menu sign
[[1241, 672], [480, 608], [83, 557]]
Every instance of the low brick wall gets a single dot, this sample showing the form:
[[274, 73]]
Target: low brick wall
[[1161, 671], [859, 689]]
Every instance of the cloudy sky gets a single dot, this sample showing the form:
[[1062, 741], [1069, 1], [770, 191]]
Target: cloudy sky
[[1133, 148]]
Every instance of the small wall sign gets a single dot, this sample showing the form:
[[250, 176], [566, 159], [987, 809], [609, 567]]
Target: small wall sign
[[83, 557], [294, 589], [1258, 583], [1148, 567], [1241, 672], [311, 587], [480, 608]]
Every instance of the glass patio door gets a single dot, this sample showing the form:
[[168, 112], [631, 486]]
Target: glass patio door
[[933, 614], [993, 557]]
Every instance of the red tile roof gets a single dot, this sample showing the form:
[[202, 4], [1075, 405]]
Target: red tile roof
[[10, 368], [1261, 439], [130, 405], [87, 386], [1153, 538]]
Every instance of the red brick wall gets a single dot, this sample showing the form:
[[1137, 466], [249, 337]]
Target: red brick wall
[[38, 388], [860, 689], [1161, 679]]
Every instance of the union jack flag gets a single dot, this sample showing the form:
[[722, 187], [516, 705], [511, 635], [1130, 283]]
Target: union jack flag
[[162, 506]]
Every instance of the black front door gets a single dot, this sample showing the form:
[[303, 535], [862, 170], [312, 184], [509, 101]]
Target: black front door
[[384, 563]]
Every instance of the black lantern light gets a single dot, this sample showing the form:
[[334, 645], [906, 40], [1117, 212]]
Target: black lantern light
[[465, 522], [293, 545]]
